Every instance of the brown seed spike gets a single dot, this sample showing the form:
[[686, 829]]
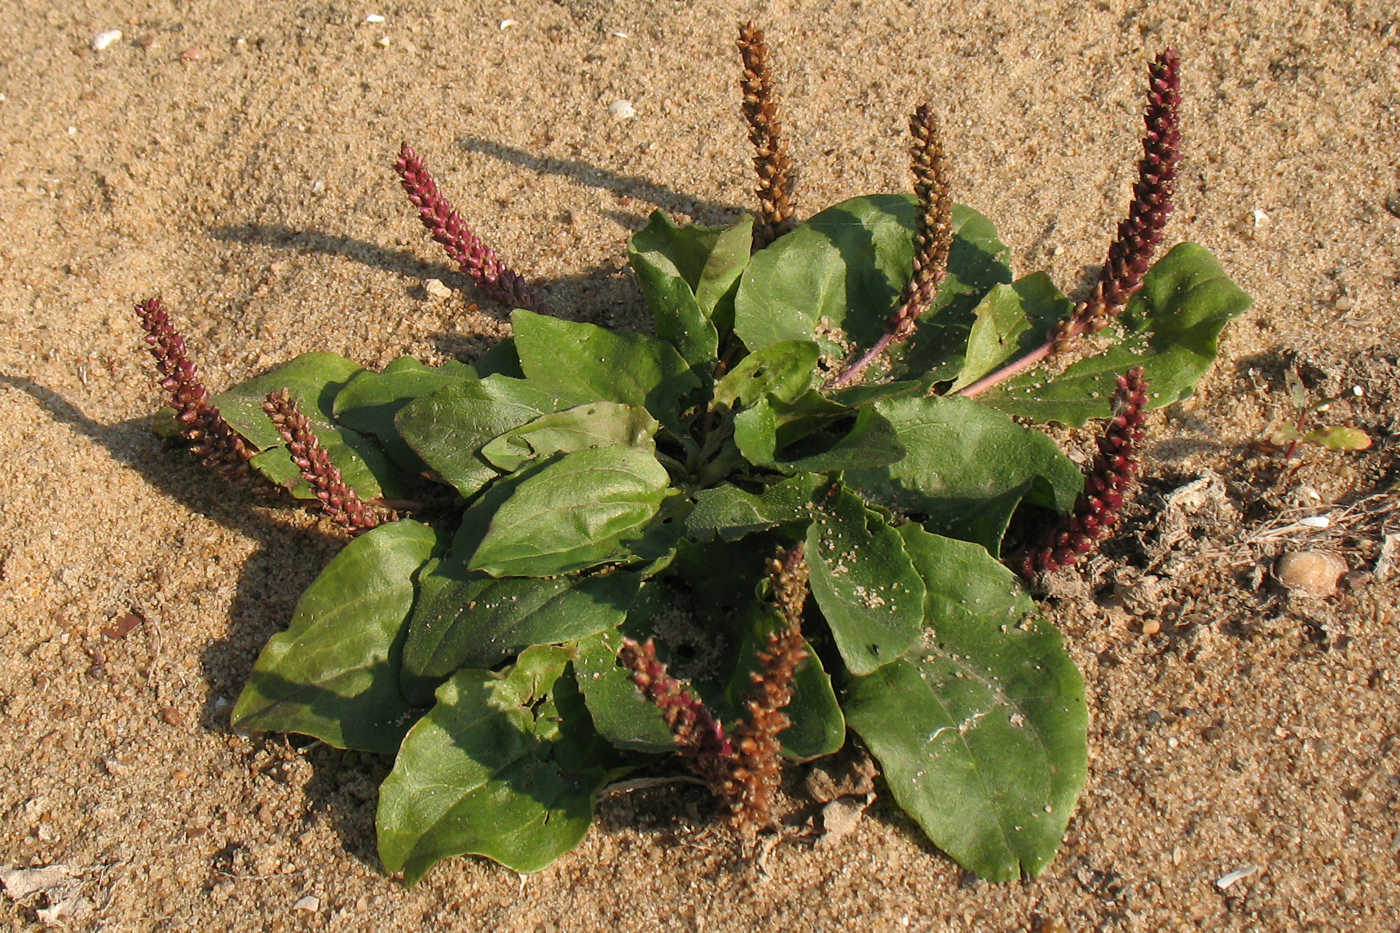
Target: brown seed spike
[[771, 161], [933, 241], [342, 505], [472, 255]]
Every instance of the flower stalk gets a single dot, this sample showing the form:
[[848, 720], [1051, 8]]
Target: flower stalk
[[472, 254], [1130, 254], [341, 503], [210, 437]]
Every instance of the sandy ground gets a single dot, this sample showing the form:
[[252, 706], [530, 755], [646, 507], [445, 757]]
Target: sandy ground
[[235, 158]]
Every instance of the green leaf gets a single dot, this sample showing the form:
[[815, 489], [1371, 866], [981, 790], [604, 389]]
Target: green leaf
[[505, 765], [784, 370], [334, 673], [1009, 321], [686, 273], [579, 510], [314, 380], [845, 269], [981, 733], [1339, 438], [863, 581], [467, 619], [729, 513], [817, 728], [449, 427], [620, 713], [596, 424], [370, 400], [587, 363], [1171, 328], [967, 469]]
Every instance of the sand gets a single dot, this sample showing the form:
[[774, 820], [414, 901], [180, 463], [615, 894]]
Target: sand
[[235, 158]]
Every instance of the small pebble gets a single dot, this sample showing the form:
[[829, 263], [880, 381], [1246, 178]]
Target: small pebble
[[1310, 573], [382, 42], [311, 903], [1151, 626], [374, 18], [105, 40], [171, 716], [506, 24], [436, 289], [621, 110]]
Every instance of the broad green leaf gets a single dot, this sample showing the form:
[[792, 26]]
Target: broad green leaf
[[596, 424], [587, 363], [505, 765], [1010, 320], [729, 513], [787, 437], [784, 370], [845, 269], [467, 619], [687, 272], [334, 673], [981, 731], [863, 582], [580, 509], [968, 466], [370, 400], [817, 728], [449, 427], [314, 380], [620, 713], [1171, 328]]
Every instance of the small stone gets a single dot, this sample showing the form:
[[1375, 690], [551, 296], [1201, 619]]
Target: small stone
[[436, 289], [374, 18], [105, 40], [383, 42], [621, 110], [171, 716], [1310, 573], [310, 903], [1151, 626]]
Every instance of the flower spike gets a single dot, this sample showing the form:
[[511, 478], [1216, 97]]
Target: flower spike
[[472, 255], [341, 503], [1130, 255], [700, 738], [775, 170], [1106, 481], [210, 437]]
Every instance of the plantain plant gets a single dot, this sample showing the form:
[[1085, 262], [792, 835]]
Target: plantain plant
[[807, 511]]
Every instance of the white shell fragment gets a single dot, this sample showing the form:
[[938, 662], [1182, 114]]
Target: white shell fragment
[[374, 18], [621, 110], [1239, 874], [104, 40]]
